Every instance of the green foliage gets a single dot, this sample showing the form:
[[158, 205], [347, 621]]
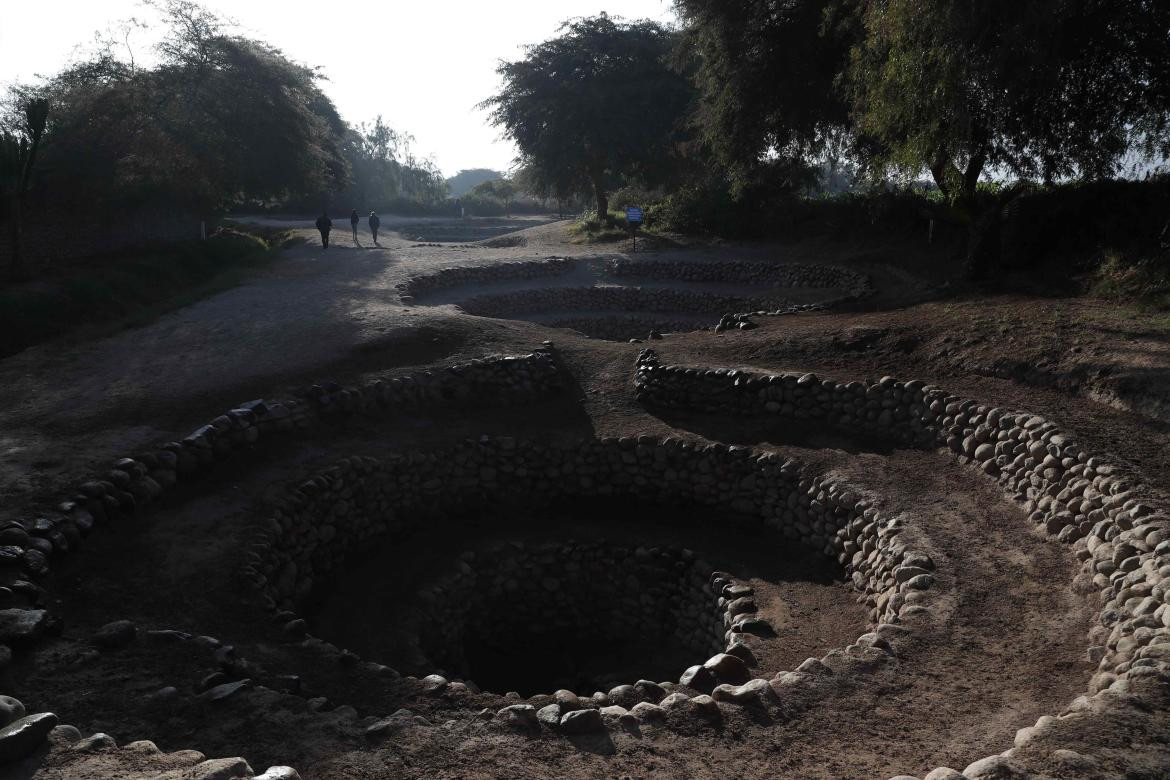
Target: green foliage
[[766, 74], [385, 173], [597, 104], [221, 118], [1045, 89], [1142, 278], [127, 290]]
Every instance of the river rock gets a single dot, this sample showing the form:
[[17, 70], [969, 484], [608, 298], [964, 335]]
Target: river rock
[[24, 735], [728, 669], [581, 722], [116, 634]]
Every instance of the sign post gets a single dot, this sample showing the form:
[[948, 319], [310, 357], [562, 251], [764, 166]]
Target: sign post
[[633, 219]]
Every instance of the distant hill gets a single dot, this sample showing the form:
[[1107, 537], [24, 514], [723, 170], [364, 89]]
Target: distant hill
[[465, 181]]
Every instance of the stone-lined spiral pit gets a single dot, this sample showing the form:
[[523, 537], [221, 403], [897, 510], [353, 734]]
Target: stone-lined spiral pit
[[617, 298], [414, 544]]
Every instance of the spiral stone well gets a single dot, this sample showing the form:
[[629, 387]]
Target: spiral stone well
[[588, 613]]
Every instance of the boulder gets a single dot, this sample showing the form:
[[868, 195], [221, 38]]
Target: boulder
[[24, 735]]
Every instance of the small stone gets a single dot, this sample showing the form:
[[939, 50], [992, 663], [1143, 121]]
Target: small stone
[[279, 773], [751, 693], [706, 706], [674, 701], [920, 582], [944, 773], [648, 713], [699, 678], [434, 683], [10, 709], [550, 715], [996, 768], [65, 734], [519, 716], [651, 691], [743, 652], [24, 735], [613, 711], [98, 741], [728, 669], [116, 634], [581, 722]]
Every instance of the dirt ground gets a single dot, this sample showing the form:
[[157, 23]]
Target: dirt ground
[[1009, 648]]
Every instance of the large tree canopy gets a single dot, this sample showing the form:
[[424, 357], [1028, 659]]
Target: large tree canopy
[[598, 103], [1043, 89], [766, 77], [220, 119]]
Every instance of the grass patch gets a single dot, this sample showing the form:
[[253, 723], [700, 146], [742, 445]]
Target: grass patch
[[590, 230], [128, 290], [1142, 281]]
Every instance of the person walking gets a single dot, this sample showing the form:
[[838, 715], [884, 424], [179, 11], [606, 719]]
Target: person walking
[[324, 224], [375, 223], [353, 223]]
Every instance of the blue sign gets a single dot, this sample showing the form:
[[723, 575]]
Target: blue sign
[[634, 215]]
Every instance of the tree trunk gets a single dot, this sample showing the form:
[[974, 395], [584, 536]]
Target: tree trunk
[[971, 175], [16, 271], [602, 201]]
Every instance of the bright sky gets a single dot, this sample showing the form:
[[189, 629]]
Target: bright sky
[[423, 65]]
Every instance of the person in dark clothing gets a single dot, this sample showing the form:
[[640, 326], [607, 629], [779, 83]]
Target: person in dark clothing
[[353, 223], [324, 224], [375, 223]]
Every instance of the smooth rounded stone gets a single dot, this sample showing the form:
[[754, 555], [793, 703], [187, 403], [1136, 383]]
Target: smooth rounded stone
[[675, 701], [567, 700], [753, 624], [699, 678], [117, 634], [98, 741], [920, 582], [550, 715], [648, 713], [728, 669], [743, 652], [750, 693], [996, 768], [279, 773], [581, 722], [613, 711], [10, 709], [944, 773], [651, 691], [65, 734], [24, 735], [434, 683], [625, 695], [143, 746], [519, 716], [706, 706], [905, 777]]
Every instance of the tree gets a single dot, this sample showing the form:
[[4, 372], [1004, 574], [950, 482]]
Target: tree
[[18, 157], [766, 73], [466, 180], [598, 103], [503, 190], [220, 119], [1044, 89]]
